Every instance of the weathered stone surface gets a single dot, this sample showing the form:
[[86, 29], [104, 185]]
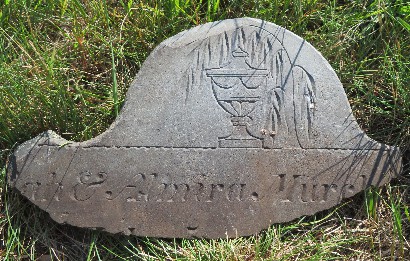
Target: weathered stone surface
[[229, 127]]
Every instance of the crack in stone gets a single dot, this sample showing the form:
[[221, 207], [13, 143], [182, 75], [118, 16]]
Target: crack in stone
[[62, 178]]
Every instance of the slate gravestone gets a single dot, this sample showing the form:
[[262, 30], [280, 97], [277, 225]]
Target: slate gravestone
[[229, 127]]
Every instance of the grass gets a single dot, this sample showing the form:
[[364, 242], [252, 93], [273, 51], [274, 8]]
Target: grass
[[65, 65]]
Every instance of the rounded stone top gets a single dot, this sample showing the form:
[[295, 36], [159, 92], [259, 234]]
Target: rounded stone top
[[296, 95]]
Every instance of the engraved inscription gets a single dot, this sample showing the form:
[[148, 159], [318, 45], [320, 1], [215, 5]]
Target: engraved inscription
[[87, 184], [149, 187], [40, 190], [183, 192], [304, 189]]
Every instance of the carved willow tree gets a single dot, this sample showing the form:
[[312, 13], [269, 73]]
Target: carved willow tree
[[284, 115]]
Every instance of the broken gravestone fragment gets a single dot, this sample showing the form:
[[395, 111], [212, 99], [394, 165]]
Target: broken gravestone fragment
[[229, 127]]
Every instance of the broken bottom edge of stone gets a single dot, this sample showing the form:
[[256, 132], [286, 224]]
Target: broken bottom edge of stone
[[191, 193]]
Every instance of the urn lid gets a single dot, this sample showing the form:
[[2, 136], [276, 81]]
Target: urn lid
[[238, 67]]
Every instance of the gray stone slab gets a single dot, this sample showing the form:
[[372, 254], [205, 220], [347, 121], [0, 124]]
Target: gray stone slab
[[229, 127]]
